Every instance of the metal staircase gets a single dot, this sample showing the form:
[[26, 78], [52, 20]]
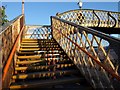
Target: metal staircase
[[68, 53], [41, 63]]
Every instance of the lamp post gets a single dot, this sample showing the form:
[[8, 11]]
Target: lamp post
[[22, 6], [80, 4]]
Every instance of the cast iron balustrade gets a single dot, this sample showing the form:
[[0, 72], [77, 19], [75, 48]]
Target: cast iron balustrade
[[96, 54], [92, 18]]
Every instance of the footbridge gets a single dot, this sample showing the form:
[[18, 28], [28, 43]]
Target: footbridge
[[75, 51]]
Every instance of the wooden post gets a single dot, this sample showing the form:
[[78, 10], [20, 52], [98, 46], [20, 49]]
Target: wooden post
[[22, 6]]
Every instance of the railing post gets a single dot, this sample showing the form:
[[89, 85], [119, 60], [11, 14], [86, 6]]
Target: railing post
[[51, 27], [93, 19], [113, 19], [108, 20]]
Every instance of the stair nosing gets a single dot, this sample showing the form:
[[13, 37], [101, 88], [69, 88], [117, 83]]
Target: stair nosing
[[27, 68]]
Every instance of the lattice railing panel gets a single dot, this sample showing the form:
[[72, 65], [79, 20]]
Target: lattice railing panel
[[103, 16], [8, 36], [116, 16], [93, 52], [91, 18], [38, 32]]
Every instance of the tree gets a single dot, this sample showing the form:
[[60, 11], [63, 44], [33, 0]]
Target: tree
[[4, 16]]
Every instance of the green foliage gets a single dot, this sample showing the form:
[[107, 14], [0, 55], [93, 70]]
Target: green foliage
[[4, 16]]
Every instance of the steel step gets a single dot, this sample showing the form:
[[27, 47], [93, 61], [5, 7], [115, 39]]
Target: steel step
[[25, 39], [40, 43], [44, 74], [43, 67], [41, 56], [40, 46], [39, 49], [40, 61], [37, 39], [44, 83], [30, 61], [30, 57], [41, 53], [30, 41]]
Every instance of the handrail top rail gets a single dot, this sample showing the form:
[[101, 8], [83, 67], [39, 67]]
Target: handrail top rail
[[4, 27], [87, 9], [95, 32]]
